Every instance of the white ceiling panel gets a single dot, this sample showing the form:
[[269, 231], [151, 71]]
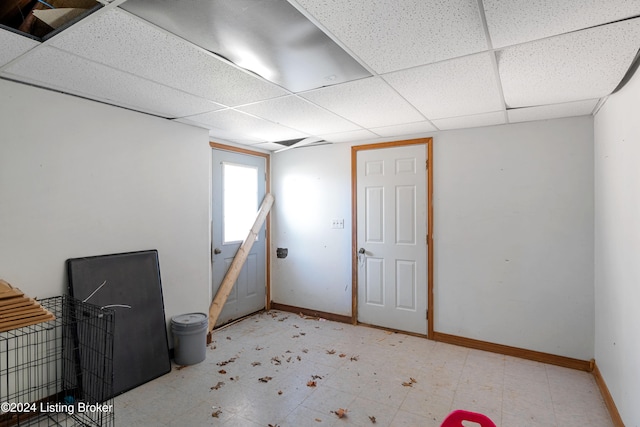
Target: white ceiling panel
[[390, 35], [354, 135], [368, 102], [405, 129], [241, 124], [545, 112], [517, 21], [59, 70], [125, 42], [13, 45], [581, 65], [269, 146], [299, 114], [458, 87], [476, 120]]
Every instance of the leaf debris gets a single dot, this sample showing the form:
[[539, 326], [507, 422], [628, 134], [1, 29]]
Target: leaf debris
[[216, 414], [256, 364], [372, 419], [226, 362], [410, 382], [332, 351], [275, 360], [341, 413], [265, 379], [222, 371], [217, 386]]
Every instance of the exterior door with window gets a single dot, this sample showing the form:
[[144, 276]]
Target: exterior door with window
[[238, 187]]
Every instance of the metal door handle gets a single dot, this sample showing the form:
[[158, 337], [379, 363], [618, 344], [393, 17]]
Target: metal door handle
[[362, 251], [217, 251]]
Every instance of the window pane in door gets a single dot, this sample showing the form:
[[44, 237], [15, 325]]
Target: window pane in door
[[240, 200]]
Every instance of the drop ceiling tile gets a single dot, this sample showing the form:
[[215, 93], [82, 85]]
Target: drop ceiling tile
[[390, 35], [269, 146], [13, 45], [235, 124], [458, 87], [581, 65], [517, 21], [473, 121], [62, 71], [555, 111], [354, 135], [299, 114], [405, 129], [125, 42], [368, 102]]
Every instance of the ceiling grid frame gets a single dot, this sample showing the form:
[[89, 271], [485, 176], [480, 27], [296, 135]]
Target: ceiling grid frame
[[490, 12]]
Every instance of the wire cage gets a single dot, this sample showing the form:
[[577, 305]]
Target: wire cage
[[59, 372]]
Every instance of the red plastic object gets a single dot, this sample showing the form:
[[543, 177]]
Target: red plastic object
[[456, 418]]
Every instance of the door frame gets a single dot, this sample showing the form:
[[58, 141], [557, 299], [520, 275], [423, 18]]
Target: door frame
[[428, 142], [267, 157]]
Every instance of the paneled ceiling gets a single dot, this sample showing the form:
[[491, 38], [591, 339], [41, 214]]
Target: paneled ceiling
[[433, 65]]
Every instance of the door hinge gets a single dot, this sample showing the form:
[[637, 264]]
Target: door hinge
[[427, 238], [427, 315], [427, 163]]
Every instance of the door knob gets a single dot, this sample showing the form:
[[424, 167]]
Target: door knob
[[362, 251], [217, 251]]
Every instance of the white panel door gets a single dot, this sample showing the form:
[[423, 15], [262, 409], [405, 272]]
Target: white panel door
[[238, 188], [391, 234]]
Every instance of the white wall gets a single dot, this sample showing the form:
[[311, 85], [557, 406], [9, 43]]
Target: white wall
[[617, 248], [78, 178], [514, 235], [522, 193], [311, 187]]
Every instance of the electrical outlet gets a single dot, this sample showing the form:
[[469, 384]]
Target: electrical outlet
[[337, 223]]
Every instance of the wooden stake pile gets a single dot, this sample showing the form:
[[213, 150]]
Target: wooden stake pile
[[18, 310]]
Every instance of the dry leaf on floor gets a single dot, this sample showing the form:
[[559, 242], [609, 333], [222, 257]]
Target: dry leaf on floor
[[372, 419], [216, 414], [273, 425], [233, 359], [275, 360], [256, 364], [318, 420], [311, 383], [279, 391], [180, 368], [304, 350], [303, 333], [409, 383], [258, 348], [217, 386], [342, 355], [332, 351], [296, 326], [296, 336], [229, 338], [299, 358], [222, 371], [265, 379], [288, 359], [354, 358], [235, 378], [341, 413], [316, 377]]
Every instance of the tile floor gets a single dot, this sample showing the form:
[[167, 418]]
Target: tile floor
[[279, 369]]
